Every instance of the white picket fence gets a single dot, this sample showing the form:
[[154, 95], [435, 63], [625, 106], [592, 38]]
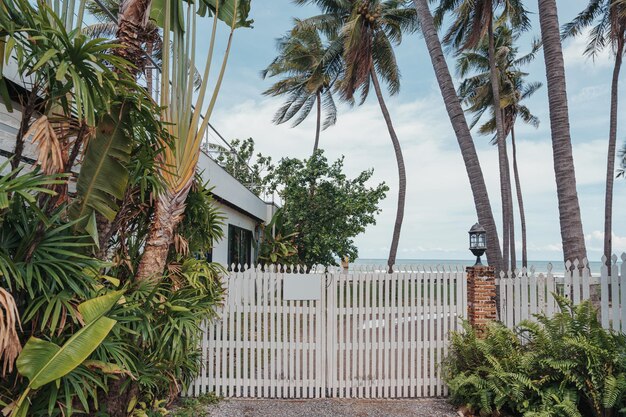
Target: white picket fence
[[369, 334], [526, 293]]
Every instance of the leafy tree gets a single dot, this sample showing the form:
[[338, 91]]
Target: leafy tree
[[608, 18], [324, 207], [368, 30], [309, 68], [476, 93], [240, 160]]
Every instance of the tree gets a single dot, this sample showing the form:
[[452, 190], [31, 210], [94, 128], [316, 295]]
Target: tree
[[309, 69], [181, 114], [369, 29], [473, 22], [608, 18], [462, 132], [572, 236], [476, 93], [326, 220], [237, 159]]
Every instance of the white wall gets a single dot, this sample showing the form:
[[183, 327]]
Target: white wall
[[236, 218]]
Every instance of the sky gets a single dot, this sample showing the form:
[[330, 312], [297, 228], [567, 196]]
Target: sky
[[439, 207]]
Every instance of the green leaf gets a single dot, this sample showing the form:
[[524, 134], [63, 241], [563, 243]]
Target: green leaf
[[43, 362], [104, 174], [44, 59]]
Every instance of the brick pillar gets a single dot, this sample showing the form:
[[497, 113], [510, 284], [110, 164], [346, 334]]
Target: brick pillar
[[481, 295]]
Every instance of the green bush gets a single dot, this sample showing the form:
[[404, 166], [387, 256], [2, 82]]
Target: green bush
[[565, 365]]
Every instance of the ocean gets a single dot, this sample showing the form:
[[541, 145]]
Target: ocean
[[540, 266]]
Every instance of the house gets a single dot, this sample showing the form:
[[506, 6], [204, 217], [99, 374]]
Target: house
[[244, 211]]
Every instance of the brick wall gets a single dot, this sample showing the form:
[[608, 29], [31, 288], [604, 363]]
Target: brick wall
[[481, 295]]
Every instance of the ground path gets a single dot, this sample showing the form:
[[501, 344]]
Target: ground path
[[332, 408]]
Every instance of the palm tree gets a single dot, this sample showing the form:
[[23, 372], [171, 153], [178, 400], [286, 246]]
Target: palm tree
[[476, 93], [368, 29], [182, 115], [461, 130], [309, 69], [608, 19], [572, 236], [473, 22]]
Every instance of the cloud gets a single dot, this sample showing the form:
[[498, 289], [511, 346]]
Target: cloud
[[574, 55], [439, 208], [595, 242]]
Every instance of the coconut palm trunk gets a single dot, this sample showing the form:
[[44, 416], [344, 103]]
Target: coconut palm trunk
[[503, 159], [393, 251], [610, 161], [462, 132], [572, 236], [318, 125], [520, 200], [132, 20]]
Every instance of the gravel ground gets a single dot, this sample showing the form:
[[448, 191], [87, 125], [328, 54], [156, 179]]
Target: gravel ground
[[332, 408]]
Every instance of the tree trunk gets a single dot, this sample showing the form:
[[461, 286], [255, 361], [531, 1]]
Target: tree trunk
[[168, 213], [503, 159], [610, 160], [572, 236], [462, 132], [393, 250], [319, 122], [28, 110], [520, 200], [131, 27]]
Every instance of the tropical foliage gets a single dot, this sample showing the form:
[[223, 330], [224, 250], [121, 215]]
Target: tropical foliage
[[245, 164], [566, 365], [309, 69], [323, 209], [79, 333]]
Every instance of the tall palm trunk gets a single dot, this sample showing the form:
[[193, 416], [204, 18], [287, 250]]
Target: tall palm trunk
[[520, 200], [168, 212], [319, 122], [393, 250], [131, 32], [572, 236], [503, 159], [610, 160], [462, 132]]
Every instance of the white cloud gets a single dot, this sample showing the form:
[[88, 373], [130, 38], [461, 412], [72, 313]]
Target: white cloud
[[574, 55], [439, 207]]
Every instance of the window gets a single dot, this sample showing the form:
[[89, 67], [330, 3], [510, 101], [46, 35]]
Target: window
[[239, 246]]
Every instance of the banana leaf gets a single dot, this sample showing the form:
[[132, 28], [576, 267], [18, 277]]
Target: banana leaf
[[104, 173], [225, 13], [43, 362]]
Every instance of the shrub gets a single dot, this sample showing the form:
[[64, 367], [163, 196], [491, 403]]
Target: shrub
[[565, 365]]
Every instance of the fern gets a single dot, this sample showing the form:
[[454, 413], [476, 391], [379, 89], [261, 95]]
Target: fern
[[564, 365]]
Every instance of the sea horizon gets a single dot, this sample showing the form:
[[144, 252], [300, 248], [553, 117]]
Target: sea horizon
[[539, 265]]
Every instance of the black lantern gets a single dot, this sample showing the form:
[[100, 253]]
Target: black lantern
[[477, 241]]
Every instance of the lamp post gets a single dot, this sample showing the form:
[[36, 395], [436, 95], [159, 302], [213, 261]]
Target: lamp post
[[477, 242]]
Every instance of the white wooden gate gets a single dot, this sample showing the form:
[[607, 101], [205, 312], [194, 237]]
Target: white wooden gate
[[370, 335]]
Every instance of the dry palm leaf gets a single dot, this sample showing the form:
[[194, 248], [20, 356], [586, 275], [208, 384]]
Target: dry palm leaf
[[50, 150], [10, 346], [181, 245]]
